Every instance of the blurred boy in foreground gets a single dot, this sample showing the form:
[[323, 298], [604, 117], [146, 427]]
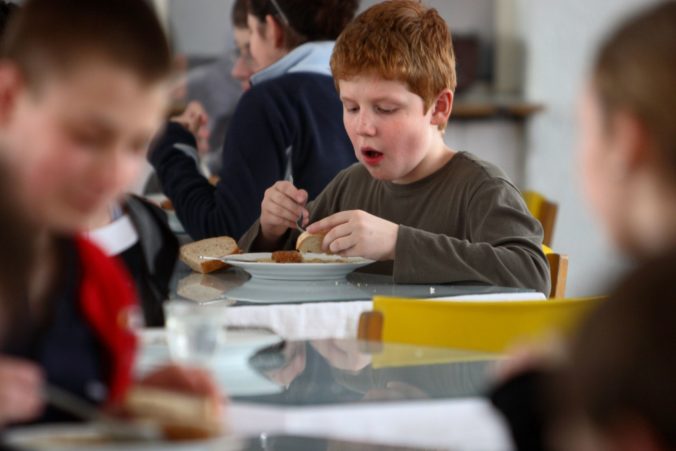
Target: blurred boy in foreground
[[82, 90]]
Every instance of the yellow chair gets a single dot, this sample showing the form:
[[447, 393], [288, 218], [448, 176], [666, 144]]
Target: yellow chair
[[491, 326], [544, 211], [558, 272]]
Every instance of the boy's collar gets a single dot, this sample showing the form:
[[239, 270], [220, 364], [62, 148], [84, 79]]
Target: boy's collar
[[311, 57]]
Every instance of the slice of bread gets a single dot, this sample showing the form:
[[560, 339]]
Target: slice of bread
[[181, 416], [192, 253], [311, 242]]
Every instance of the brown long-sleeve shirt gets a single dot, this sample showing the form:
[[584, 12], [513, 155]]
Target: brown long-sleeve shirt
[[464, 223]]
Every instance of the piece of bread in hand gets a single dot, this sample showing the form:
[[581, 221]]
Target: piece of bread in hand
[[180, 416], [311, 242], [192, 253]]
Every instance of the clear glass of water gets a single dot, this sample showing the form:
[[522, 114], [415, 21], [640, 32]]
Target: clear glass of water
[[195, 333]]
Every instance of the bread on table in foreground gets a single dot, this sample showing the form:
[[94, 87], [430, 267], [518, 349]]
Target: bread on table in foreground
[[181, 416], [198, 254], [311, 242]]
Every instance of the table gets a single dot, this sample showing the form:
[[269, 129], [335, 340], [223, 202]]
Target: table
[[319, 309], [360, 391]]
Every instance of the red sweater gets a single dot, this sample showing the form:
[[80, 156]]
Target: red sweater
[[109, 304]]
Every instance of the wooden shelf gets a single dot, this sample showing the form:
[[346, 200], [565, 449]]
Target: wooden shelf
[[472, 107]]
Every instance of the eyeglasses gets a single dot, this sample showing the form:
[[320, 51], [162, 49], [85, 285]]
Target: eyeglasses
[[280, 12]]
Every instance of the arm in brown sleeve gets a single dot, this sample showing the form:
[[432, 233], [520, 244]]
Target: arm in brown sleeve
[[502, 246]]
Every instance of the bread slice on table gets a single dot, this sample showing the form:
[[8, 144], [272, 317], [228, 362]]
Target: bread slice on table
[[311, 242], [192, 253]]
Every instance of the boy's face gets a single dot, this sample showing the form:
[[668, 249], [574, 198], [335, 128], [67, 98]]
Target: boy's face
[[243, 67], [78, 141], [392, 134], [264, 42]]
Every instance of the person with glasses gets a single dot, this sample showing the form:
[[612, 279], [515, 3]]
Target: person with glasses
[[288, 126]]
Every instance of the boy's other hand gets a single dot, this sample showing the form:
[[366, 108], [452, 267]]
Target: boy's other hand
[[282, 205], [195, 120], [21, 384], [356, 233]]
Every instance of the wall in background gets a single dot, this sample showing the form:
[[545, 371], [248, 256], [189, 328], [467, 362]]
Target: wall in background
[[560, 37], [201, 28]]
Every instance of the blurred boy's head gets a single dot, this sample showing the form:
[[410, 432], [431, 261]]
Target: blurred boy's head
[[395, 71], [619, 387], [82, 90], [279, 26], [628, 138]]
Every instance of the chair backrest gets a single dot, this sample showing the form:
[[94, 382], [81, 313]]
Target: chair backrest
[[558, 271], [480, 326], [544, 211]]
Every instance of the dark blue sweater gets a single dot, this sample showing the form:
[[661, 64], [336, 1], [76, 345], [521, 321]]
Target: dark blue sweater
[[300, 111]]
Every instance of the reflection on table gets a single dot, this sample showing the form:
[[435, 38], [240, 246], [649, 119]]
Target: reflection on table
[[376, 392]]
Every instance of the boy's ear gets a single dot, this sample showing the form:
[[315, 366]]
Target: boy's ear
[[11, 84], [274, 31], [442, 107]]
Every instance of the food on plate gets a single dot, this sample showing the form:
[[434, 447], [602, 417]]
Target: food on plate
[[311, 242], [201, 255], [166, 204], [181, 416], [208, 287], [287, 257]]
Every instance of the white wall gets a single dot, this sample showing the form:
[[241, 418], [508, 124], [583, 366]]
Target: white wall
[[201, 28], [560, 37]]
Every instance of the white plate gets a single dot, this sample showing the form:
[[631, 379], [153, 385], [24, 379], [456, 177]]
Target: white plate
[[83, 436], [238, 343], [336, 267]]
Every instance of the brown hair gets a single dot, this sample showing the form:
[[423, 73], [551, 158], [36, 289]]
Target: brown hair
[[622, 360], [398, 40], [239, 14], [53, 35], [308, 20], [635, 70]]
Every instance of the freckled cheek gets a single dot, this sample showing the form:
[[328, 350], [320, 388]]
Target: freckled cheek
[[350, 128]]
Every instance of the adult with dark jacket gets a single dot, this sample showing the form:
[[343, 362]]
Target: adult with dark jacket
[[287, 126]]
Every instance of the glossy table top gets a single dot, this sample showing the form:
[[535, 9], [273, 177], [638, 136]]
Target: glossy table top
[[237, 287]]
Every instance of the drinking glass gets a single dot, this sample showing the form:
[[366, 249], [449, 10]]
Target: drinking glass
[[195, 332]]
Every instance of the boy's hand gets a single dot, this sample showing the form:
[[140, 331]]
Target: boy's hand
[[282, 205], [358, 234], [195, 119], [20, 390]]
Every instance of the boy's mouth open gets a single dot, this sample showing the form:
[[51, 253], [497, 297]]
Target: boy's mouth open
[[371, 156]]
